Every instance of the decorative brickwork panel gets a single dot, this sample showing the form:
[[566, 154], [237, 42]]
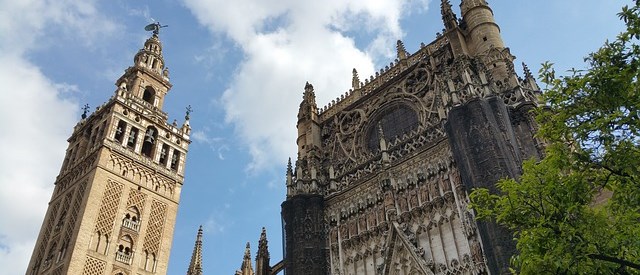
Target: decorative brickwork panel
[[47, 233], [109, 207], [94, 266], [155, 227], [73, 214], [136, 198]]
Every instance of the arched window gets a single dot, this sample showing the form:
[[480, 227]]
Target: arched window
[[119, 135], [131, 219], [124, 253], [164, 152], [175, 160], [133, 138], [148, 145], [149, 95], [395, 121]]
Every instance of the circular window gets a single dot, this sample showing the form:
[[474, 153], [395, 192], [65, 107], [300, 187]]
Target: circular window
[[395, 121]]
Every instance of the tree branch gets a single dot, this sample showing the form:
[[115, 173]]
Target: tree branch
[[614, 260]]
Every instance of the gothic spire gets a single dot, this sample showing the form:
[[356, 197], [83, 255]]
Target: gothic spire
[[247, 254], [529, 79], [263, 258], [195, 267], [263, 248], [246, 268], [448, 16], [289, 173]]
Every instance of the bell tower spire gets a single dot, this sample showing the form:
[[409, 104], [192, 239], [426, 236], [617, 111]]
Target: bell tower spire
[[148, 78]]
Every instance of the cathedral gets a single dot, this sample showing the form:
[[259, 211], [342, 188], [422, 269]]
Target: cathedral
[[380, 184], [381, 181]]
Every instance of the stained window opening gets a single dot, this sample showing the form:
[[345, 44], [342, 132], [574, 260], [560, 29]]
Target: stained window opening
[[395, 122]]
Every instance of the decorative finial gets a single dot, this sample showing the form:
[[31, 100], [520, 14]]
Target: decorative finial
[[247, 251], [188, 113], [402, 52], [263, 249], [85, 111], [527, 72], [308, 86], [155, 27], [355, 80]]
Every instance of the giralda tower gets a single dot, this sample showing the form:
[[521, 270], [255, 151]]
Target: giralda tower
[[114, 205]]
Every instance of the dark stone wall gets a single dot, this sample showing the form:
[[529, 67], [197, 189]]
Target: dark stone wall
[[305, 235], [525, 126], [485, 149]]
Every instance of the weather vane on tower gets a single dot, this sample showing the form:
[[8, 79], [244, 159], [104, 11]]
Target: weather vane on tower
[[155, 27]]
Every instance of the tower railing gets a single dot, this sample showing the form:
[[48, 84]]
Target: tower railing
[[124, 257], [133, 225]]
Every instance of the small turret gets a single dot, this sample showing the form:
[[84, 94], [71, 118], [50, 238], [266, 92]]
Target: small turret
[[482, 31], [308, 127]]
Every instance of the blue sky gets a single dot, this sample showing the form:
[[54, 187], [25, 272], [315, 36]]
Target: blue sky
[[242, 66]]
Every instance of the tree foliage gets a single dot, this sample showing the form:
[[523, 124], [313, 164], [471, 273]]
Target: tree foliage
[[577, 211]]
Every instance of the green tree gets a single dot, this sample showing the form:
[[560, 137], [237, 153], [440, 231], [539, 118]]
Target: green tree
[[577, 210]]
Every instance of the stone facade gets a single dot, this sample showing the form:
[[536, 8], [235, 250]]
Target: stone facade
[[115, 200], [381, 182]]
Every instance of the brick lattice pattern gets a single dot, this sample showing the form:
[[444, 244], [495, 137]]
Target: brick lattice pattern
[[136, 198], [94, 266], [109, 207], [156, 226]]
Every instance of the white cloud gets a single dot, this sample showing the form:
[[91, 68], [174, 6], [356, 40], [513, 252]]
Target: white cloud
[[36, 114], [288, 42], [37, 122], [216, 144]]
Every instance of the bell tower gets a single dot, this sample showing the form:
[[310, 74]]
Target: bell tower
[[115, 201]]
